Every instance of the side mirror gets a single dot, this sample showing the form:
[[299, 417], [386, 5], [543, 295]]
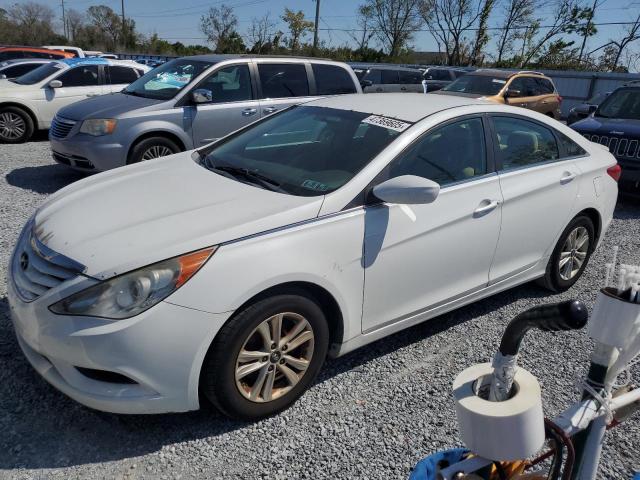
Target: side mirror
[[202, 95], [592, 109], [55, 84], [3, 76], [365, 83], [407, 189], [512, 93]]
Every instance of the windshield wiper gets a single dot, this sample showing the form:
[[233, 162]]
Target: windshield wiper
[[250, 175]]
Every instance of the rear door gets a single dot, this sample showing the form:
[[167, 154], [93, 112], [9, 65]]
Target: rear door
[[410, 81], [332, 79], [78, 83], [282, 84], [118, 77]]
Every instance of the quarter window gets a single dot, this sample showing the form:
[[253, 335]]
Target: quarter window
[[283, 80], [83, 76], [522, 143], [446, 155], [332, 80], [121, 75], [229, 84], [571, 148]]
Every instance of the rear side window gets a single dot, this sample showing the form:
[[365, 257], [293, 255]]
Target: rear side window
[[83, 76], [571, 148], [545, 86], [522, 143], [410, 77], [117, 75], [390, 76], [10, 55], [332, 80], [283, 80]]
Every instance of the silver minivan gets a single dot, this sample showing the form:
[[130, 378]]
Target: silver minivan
[[189, 102], [378, 78]]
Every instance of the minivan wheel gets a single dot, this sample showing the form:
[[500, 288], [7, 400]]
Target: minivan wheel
[[152, 148], [16, 126], [571, 255], [265, 357]]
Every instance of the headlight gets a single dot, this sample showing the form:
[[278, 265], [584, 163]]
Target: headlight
[[98, 126], [132, 293]]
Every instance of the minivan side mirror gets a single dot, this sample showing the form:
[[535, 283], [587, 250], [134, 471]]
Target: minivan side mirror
[[407, 189], [202, 95], [55, 84], [512, 93], [365, 83]]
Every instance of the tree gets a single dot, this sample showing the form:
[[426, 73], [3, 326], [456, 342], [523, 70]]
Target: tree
[[298, 27], [482, 37], [32, 23], [364, 33], [260, 33], [632, 33], [107, 26], [75, 24], [395, 22], [218, 25], [518, 14]]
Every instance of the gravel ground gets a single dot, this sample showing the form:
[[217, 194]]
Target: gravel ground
[[372, 414]]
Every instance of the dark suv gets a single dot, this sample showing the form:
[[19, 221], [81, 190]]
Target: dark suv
[[616, 125]]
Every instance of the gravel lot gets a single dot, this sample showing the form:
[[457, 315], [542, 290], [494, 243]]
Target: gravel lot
[[372, 414]]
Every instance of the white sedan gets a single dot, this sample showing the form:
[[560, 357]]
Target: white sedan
[[230, 272]]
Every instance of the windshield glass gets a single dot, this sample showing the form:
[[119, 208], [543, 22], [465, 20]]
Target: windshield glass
[[39, 74], [305, 151], [623, 103], [167, 80], [480, 84], [598, 98]]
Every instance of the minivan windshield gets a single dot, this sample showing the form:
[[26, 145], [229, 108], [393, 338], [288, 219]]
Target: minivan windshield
[[167, 80], [39, 74], [477, 84], [623, 103], [305, 151]]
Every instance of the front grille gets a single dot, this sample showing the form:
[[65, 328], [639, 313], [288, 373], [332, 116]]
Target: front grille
[[72, 160], [60, 127], [619, 146], [35, 268]]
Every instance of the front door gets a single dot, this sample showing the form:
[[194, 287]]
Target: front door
[[78, 83], [417, 257]]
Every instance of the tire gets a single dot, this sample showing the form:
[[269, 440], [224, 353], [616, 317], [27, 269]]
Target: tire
[[224, 381], [151, 148], [16, 125], [559, 279]]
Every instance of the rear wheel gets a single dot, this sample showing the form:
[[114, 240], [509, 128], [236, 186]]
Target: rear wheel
[[265, 357], [152, 148], [16, 126]]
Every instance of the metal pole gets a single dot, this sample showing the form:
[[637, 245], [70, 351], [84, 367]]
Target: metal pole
[[124, 27], [315, 31], [64, 22]]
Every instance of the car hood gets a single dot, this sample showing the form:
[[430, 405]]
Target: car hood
[[111, 105], [133, 216], [608, 126]]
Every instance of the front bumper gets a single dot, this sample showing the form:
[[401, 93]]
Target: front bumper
[[160, 351], [87, 153]]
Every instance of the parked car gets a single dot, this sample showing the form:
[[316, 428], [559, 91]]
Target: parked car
[[111, 56], [229, 272], [583, 110], [74, 51], [615, 124], [11, 69], [30, 102], [150, 62], [189, 102], [11, 53], [388, 78], [439, 77], [531, 90]]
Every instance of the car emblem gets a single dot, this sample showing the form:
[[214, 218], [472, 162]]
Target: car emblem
[[615, 132], [24, 261]]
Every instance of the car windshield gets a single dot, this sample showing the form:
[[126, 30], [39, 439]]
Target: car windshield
[[39, 74], [478, 84], [598, 98], [623, 103], [167, 80], [305, 151]]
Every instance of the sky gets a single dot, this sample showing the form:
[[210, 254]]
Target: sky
[[178, 20]]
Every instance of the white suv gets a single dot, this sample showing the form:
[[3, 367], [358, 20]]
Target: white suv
[[30, 102]]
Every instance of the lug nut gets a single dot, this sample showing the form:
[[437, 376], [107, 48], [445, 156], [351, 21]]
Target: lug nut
[[282, 361], [270, 368], [284, 348], [264, 359], [273, 346]]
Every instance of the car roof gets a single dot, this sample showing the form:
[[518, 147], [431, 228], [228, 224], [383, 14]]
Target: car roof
[[14, 61], [409, 107], [34, 50], [74, 62], [381, 66], [219, 57], [491, 72]]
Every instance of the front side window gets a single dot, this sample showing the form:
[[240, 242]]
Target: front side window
[[332, 80], [82, 76], [120, 75], [39, 74], [389, 77], [168, 79], [229, 84], [410, 78], [374, 76], [304, 151], [437, 74], [622, 103], [477, 84], [522, 143], [283, 80], [448, 154]]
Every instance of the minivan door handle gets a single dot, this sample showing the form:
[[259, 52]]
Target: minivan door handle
[[567, 177], [485, 207], [269, 109], [247, 112]]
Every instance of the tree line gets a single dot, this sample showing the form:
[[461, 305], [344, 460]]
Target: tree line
[[502, 33]]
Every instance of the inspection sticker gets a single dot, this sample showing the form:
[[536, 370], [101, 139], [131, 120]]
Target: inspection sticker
[[498, 80], [390, 123]]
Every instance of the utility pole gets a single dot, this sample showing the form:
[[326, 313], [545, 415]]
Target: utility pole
[[64, 22], [124, 27], [315, 31]]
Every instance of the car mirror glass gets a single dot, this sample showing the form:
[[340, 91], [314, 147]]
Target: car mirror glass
[[202, 95], [407, 189], [55, 84], [512, 93]]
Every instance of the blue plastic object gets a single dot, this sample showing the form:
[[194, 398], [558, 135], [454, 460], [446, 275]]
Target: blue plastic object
[[428, 467]]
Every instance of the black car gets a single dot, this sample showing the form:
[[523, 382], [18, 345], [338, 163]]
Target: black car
[[616, 124], [583, 110]]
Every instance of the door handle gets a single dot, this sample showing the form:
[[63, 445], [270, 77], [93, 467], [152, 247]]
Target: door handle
[[486, 208], [247, 112], [269, 109], [404, 89], [567, 177]]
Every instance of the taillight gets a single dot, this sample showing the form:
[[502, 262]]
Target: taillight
[[615, 172]]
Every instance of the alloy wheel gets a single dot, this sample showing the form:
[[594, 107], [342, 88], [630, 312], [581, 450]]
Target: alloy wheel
[[12, 126], [573, 253], [156, 151], [274, 358]]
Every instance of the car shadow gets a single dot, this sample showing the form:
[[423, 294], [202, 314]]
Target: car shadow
[[44, 179]]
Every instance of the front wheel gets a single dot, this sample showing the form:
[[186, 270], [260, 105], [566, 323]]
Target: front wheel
[[571, 255], [265, 357], [16, 126], [152, 148]]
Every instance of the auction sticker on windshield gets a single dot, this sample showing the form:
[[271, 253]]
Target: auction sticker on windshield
[[390, 123]]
